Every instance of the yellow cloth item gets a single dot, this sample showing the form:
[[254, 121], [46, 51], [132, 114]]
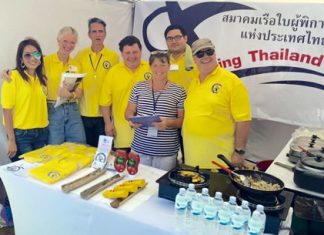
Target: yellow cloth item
[[50, 152], [27, 101], [60, 168], [178, 72], [96, 66], [116, 91], [189, 63], [54, 69], [212, 108]]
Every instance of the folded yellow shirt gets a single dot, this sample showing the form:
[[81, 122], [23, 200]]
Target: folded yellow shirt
[[59, 161], [50, 152], [57, 169]]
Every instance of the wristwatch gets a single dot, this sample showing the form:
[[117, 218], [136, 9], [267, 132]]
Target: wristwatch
[[239, 151]]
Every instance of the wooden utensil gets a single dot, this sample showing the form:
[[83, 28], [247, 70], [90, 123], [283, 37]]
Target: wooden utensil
[[120, 201], [93, 190], [82, 181]]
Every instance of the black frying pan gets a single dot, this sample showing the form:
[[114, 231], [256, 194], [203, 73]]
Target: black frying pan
[[178, 179], [255, 175]]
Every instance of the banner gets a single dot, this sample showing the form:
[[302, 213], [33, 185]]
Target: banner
[[275, 48]]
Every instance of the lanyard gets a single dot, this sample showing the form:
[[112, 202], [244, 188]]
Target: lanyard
[[95, 68], [158, 96]]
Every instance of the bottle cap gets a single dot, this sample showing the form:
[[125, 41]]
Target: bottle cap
[[218, 195], [232, 199], [260, 207], [204, 191], [182, 190], [191, 186]]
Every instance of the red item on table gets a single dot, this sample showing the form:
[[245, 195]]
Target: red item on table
[[121, 158], [132, 163]]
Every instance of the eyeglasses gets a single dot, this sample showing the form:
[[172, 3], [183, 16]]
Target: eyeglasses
[[201, 54], [175, 38], [37, 55]]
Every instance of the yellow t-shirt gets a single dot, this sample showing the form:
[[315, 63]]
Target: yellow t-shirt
[[211, 110], [27, 101], [178, 73], [54, 69], [96, 66], [116, 91]]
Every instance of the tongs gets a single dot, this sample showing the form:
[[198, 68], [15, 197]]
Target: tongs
[[243, 178]]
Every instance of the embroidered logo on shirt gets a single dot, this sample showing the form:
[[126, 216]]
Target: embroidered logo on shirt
[[148, 76], [215, 88], [73, 68], [106, 64]]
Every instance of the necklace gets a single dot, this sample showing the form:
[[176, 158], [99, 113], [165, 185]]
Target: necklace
[[158, 96], [93, 67]]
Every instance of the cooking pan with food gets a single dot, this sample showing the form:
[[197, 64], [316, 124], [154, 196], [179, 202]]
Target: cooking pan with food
[[183, 177], [260, 182]]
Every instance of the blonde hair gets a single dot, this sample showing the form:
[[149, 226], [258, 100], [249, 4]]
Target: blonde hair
[[66, 30]]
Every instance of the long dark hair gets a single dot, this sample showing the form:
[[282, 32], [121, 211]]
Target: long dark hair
[[19, 58]]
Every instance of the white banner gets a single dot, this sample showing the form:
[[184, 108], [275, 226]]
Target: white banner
[[275, 48]]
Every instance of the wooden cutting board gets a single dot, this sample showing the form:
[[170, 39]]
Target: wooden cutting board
[[90, 192], [83, 180]]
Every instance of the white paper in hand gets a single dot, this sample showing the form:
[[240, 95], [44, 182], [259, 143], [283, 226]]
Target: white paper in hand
[[71, 80]]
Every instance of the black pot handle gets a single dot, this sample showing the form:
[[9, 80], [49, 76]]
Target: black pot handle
[[228, 163]]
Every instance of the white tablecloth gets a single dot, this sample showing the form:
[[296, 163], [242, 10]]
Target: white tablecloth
[[40, 209]]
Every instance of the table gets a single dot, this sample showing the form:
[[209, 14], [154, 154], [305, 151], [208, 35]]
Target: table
[[40, 209], [287, 176]]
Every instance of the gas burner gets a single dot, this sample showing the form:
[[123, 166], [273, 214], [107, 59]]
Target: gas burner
[[270, 203]]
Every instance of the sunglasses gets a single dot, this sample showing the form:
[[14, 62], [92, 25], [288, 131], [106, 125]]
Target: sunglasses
[[201, 54], [37, 55]]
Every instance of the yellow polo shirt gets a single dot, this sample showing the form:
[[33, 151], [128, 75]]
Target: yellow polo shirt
[[96, 66], [211, 110], [116, 91], [27, 101], [178, 73], [54, 69]]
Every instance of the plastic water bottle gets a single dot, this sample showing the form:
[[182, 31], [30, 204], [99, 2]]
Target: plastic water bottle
[[210, 209], [224, 219], [237, 221], [195, 218], [197, 205], [232, 203], [180, 209], [260, 208], [210, 213], [190, 194], [218, 200], [257, 221], [205, 195], [246, 213]]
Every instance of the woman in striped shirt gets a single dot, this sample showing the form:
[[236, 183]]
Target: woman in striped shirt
[[157, 144]]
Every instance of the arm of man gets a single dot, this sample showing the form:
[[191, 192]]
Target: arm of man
[[241, 137], [109, 125], [8, 120]]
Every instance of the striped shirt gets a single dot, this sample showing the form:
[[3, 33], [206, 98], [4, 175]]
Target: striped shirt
[[168, 102]]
